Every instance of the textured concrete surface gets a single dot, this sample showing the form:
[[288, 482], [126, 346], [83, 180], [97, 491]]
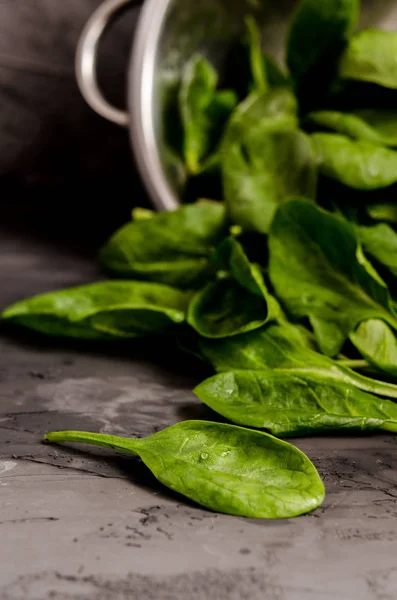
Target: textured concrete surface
[[84, 524]]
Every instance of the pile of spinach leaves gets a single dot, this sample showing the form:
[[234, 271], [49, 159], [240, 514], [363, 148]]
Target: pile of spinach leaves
[[284, 282]]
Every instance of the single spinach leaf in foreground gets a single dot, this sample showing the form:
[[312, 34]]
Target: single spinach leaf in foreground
[[371, 57], [284, 347], [204, 111], [237, 301], [105, 310], [287, 405], [270, 163], [222, 467], [318, 271], [358, 164], [380, 243], [377, 126], [377, 343], [318, 35], [171, 248]]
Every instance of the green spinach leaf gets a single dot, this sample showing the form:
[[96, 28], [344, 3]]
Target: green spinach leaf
[[261, 170], [284, 347], [171, 248], [290, 405], [371, 57], [377, 126], [237, 301], [318, 35], [223, 308], [105, 310], [204, 111], [380, 242], [358, 164], [318, 271], [377, 343], [222, 467]]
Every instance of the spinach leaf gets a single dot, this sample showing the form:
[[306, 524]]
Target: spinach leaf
[[261, 170], [105, 310], [236, 302], [222, 467], [290, 405], [383, 212], [171, 248], [377, 343], [318, 271], [284, 347], [358, 164], [380, 242], [318, 34], [223, 308], [204, 111], [377, 126], [371, 57]]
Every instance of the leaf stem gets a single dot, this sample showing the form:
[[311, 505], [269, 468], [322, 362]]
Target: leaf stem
[[353, 364], [373, 386], [97, 439]]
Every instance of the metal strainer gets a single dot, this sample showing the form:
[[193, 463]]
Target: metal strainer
[[167, 34]]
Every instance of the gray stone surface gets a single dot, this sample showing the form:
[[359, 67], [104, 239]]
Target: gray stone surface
[[84, 524]]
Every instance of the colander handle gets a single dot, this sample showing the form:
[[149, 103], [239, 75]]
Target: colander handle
[[86, 58]]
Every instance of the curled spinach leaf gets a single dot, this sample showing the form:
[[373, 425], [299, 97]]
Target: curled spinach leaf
[[204, 111], [222, 467], [377, 126], [230, 256], [171, 248], [106, 310], [289, 405], [371, 57], [263, 168], [358, 164], [236, 302], [377, 343], [319, 271]]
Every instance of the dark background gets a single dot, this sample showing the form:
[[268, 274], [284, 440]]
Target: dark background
[[67, 175]]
